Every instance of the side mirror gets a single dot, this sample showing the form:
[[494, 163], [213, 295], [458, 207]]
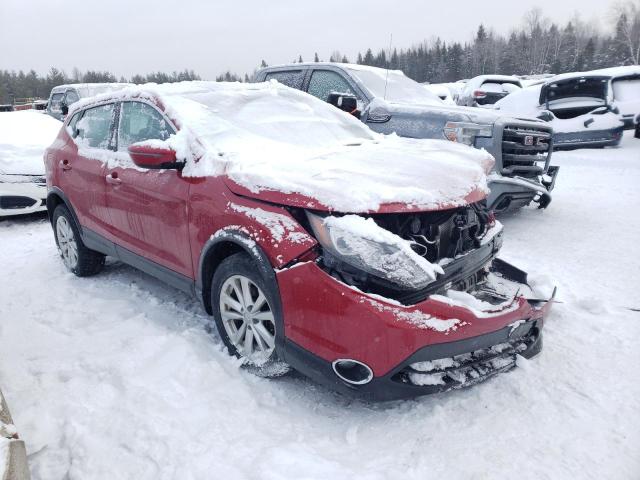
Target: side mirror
[[151, 157], [64, 109], [599, 111], [346, 103]]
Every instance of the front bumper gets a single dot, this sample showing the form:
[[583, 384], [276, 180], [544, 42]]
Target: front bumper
[[22, 198], [326, 320], [588, 139], [511, 193]]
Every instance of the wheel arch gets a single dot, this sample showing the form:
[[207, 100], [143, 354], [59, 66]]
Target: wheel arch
[[221, 245], [56, 197]]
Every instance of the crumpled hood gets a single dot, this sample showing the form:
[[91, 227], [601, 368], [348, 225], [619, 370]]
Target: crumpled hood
[[391, 174]]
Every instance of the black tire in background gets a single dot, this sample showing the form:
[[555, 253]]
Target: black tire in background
[[88, 262]]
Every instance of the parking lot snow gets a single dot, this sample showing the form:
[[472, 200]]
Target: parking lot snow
[[115, 376]]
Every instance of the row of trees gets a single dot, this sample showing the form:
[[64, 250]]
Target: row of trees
[[15, 86], [538, 46]]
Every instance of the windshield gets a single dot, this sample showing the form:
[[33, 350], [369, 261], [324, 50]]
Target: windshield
[[399, 88]]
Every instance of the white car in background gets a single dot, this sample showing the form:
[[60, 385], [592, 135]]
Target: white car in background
[[24, 136], [624, 91], [485, 90], [443, 91], [63, 96]]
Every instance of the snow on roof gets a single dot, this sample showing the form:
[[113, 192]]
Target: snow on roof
[[265, 136], [618, 71], [24, 135]]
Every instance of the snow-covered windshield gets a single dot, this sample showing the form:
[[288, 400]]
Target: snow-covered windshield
[[393, 86]]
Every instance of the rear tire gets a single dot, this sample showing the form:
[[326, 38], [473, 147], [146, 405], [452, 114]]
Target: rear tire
[[246, 317], [80, 260]]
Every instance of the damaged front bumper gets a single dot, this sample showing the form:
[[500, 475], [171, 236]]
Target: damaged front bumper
[[327, 320], [511, 193]]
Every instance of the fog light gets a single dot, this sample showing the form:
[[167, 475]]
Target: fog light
[[352, 371]]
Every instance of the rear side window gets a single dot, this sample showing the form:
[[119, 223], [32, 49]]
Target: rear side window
[[95, 128], [140, 122], [324, 82], [290, 78]]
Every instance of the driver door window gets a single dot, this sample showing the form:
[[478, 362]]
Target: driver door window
[[140, 122], [324, 82]]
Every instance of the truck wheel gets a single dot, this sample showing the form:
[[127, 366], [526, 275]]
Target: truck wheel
[[244, 315], [76, 257]]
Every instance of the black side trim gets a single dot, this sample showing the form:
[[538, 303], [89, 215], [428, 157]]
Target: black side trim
[[97, 242], [168, 276]]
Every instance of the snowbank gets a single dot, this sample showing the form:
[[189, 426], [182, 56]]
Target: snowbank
[[24, 135], [271, 137], [114, 376]]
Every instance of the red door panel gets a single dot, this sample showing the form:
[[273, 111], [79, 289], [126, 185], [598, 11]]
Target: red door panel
[[80, 177], [148, 211]]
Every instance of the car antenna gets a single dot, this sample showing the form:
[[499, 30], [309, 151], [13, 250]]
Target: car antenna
[[386, 80]]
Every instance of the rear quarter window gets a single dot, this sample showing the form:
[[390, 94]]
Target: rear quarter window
[[290, 78]]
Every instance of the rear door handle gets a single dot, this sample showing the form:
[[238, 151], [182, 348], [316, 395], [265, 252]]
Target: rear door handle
[[113, 179], [64, 164]]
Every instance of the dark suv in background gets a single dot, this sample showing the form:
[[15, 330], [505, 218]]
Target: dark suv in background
[[389, 102]]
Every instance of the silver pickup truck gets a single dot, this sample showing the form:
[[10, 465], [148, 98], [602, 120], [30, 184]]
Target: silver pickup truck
[[389, 102]]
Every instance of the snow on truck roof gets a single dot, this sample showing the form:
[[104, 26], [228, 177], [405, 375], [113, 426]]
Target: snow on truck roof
[[266, 136]]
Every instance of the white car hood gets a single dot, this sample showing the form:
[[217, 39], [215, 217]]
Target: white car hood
[[23, 138]]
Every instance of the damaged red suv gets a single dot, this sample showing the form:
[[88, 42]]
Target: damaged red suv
[[366, 262]]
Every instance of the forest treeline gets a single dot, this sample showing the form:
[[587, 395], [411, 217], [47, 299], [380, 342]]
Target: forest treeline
[[538, 45]]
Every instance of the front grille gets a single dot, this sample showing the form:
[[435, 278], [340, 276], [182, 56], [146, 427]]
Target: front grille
[[468, 368], [525, 151], [453, 238], [14, 202]]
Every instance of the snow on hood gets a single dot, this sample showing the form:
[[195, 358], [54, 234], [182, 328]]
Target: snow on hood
[[270, 138], [24, 136]]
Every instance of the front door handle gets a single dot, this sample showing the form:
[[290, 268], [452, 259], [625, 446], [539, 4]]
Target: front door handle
[[64, 164], [113, 178]]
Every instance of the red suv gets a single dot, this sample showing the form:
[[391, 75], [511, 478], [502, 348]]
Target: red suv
[[366, 262]]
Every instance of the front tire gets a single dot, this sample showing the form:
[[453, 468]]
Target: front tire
[[76, 256], [246, 317]]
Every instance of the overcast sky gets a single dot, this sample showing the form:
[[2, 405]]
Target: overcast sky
[[140, 36]]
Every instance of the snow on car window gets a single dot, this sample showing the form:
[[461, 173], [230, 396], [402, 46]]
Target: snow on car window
[[54, 102], [399, 88], [95, 127], [325, 82], [140, 122], [290, 78], [495, 87], [626, 90]]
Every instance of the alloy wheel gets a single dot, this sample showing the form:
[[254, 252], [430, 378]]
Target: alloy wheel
[[67, 243], [247, 319]]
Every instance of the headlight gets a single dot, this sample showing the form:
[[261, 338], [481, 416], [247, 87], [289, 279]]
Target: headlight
[[466, 132], [364, 245]]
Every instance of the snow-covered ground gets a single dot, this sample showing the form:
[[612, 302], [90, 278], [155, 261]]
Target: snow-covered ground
[[115, 376]]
